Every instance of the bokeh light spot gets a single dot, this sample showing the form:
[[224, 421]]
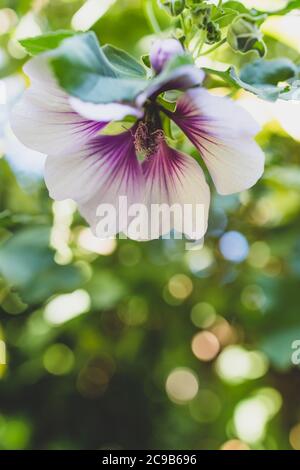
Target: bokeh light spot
[[235, 444], [234, 247], [182, 385], [203, 315], [253, 297], [199, 260], [225, 333], [65, 307], [236, 365], [259, 255], [58, 359], [180, 286], [8, 20], [94, 378], [294, 437], [89, 242], [205, 346], [252, 415]]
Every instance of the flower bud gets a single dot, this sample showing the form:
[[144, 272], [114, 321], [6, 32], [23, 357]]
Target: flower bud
[[213, 33], [173, 7], [243, 34], [162, 51]]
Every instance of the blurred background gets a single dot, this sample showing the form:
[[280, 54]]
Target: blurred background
[[126, 345]]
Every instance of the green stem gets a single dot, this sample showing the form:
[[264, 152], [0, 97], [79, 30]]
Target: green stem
[[200, 44], [182, 21], [213, 48], [149, 11]]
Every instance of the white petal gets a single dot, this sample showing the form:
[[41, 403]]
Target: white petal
[[235, 167], [102, 171], [223, 133], [43, 119], [176, 181], [104, 112]]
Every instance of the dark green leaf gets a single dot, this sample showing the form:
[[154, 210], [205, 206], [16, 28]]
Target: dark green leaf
[[146, 60], [271, 72], [124, 62]]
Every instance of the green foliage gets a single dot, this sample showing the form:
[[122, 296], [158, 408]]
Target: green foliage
[[268, 79], [26, 262], [244, 36], [97, 378], [123, 62], [46, 42], [84, 71]]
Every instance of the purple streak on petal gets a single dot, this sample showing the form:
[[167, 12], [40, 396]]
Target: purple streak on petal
[[224, 133], [164, 169], [182, 78], [88, 128], [115, 158], [162, 50], [173, 178], [198, 128], [99, 172]]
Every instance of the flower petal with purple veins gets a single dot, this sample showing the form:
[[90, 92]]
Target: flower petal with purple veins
[[162, 51], [43, 119], [224, 135], [175, 180], [181, 78], [100, 172]]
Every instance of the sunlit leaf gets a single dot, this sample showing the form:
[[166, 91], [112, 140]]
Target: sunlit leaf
[[38, 44]]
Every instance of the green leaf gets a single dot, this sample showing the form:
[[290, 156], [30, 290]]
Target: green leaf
[[146, 60], [169, 105], [124, 62], [45, 42], [84, 71], [237, 6], [225, 17], [27, 262], [262, 78], [271, 72]]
